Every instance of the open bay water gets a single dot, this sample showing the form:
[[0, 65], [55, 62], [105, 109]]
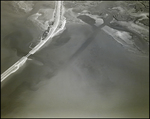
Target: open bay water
[[79, 74]]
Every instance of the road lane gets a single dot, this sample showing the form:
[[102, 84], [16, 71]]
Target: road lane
[[13, 68]]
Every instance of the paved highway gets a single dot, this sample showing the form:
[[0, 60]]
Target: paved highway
[[53, 32]]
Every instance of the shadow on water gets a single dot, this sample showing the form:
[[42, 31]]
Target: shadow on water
[[10, 98], [11, 92], [95, 29]]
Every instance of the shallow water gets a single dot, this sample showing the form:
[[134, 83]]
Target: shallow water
[[83, 72], [102, 77], [18, 31]]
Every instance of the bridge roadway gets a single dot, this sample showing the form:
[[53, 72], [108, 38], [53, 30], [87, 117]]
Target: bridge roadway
[[20, 62]]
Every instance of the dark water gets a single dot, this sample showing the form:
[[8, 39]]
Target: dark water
[[83, 73], [87, 19]]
